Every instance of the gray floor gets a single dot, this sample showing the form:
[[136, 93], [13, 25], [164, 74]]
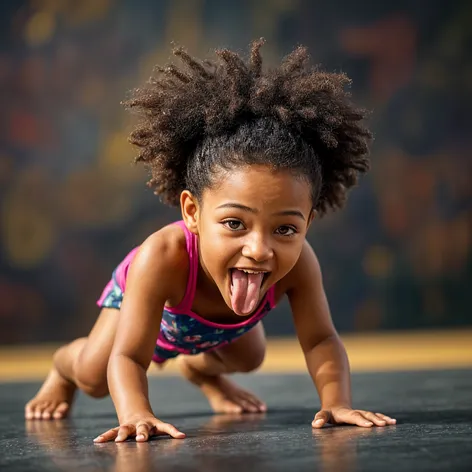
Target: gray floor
[[434, 430]]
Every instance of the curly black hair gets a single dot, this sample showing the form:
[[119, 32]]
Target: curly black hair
[[208, 116]]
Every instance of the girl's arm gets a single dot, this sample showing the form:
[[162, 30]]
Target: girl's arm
[[151, 281], [324, 351]]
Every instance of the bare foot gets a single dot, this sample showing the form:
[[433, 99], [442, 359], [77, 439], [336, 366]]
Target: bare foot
[[53, 399], [223, 394]]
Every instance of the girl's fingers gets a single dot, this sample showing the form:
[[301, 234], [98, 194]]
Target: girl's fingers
[[125, 432], [169, 429], [109, 435], [387, 418], [143, 430], [321, 418], [374, 418], [356, 417], [362, 418]]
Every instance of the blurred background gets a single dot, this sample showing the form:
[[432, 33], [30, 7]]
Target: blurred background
[[72, 204]]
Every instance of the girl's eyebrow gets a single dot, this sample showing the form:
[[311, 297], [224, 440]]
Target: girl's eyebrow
[[254, 210]]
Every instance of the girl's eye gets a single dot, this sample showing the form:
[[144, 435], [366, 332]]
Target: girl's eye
[[233, 224], [286, 231]]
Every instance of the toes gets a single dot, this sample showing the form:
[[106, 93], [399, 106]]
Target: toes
[[255, 403], [243, 403], [47, 412], [29, 411], [231, 407], [261, 406], [248, 406], [250, 403], [253, 407], [38, 410], [61, 411]]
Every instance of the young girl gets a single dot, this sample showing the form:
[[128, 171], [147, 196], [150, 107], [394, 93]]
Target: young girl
[[251, 158]]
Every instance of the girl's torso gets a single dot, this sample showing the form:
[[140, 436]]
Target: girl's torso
[[190, 294], [194, 320]]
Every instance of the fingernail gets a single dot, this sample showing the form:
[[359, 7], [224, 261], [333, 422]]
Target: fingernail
[[318, 421], [368, 423], [97, 438], [140, 436]]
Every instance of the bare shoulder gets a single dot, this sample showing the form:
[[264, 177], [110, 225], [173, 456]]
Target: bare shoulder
[[306, 270], [168, 245], [162, 258]]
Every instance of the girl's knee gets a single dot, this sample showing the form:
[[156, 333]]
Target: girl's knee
[[89, 379], [248, 363], [95, 390], [252, 364], [93, 386]]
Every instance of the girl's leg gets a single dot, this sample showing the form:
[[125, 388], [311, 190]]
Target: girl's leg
[[206, 371], [80, 364]]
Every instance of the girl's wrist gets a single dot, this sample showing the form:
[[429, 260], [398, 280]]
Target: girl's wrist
[[134, 415], [335, 405]]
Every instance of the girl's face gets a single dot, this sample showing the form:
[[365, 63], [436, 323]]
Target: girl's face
[[253, 220]]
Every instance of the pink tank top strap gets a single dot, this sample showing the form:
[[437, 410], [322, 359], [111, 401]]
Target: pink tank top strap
[[271, 296], [121, 272], [192, 250]]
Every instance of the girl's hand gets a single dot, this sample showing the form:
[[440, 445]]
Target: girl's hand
[[344, 415], [141, 427]]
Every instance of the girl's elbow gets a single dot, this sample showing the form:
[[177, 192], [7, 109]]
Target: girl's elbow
[[329, 339]]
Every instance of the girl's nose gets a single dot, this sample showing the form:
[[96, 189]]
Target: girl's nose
[[257, 248]]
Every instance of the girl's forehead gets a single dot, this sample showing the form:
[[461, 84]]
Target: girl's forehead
[[256, 183]]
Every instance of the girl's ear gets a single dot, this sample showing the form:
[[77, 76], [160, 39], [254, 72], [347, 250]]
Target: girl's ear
[[190, 211]]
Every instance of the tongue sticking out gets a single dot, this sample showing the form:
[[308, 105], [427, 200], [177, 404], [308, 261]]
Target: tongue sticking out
[[245, 291]]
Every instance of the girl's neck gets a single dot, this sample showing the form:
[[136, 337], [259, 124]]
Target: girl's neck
[[205, 284]]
